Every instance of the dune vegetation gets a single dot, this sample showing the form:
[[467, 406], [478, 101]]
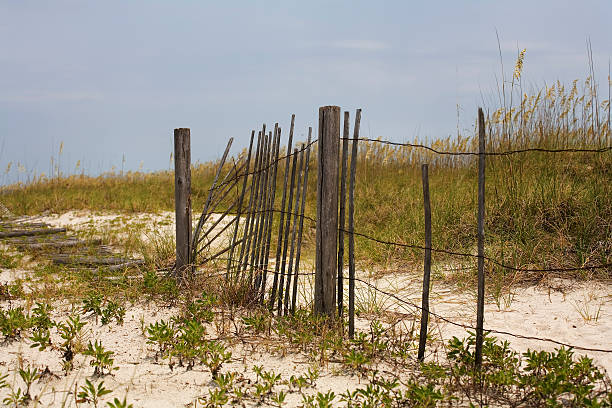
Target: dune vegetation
[[544, 210]]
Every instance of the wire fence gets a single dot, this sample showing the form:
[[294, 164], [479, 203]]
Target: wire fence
[[256, 214], [502, 153]]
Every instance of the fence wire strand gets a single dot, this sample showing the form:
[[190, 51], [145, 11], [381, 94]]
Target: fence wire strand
[[503, 153]]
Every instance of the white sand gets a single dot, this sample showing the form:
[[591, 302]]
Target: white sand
[[579, 314]]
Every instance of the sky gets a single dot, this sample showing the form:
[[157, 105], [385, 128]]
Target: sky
[[112, 79]]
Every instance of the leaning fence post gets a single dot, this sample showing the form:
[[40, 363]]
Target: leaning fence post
[[182, 200], [342, 214], [351, 226], [426, 263], [481, 214], [327, 211]]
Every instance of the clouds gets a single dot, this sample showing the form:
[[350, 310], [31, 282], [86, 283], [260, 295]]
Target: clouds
[[128, 73], [361, 45], [35, 96]]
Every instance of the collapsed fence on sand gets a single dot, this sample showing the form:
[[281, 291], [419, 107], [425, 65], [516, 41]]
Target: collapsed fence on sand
[[254, 209]]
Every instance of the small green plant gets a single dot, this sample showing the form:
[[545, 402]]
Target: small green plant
[[201, 309], [278, 399], [221, 395], [116, 403], [3, 383], [40, 338], [298, 382], [41, 318], [226, 381], [269, 380], [29, 376], [41, 323], [7, 261], [92, 304], [312, 374], [318, 401], [215, 355], [69, 331], [190, 343], [550, 375], [257, 322], [423, 395], [161, 334], [15, 398], [13, 322], [91, 393], [165, 287], [217, 398], [325, 400], [95, 305], [150, 279], [15, 289], [112, 311], [101, 359], [545, 378], [356, 360], [377, 336]]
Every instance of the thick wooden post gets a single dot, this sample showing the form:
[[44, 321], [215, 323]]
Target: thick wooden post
[[481, 215], [327, 211], [182, 200], [426, 264]]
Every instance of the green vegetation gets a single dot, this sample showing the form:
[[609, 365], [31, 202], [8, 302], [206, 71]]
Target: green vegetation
[[507, 378], [15, 322], [544, 210], [101, 358], [108, 310], [91, 393], [381, 355], [188, 344]]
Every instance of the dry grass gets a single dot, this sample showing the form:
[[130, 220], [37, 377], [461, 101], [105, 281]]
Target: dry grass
[[544, 210]]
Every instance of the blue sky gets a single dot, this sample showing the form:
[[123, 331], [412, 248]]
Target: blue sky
[[112, 79]]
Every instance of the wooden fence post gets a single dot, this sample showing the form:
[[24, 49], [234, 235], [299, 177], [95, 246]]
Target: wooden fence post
[[351, 226], [481, 215], [182, 200], [327, 211], [426, 264]]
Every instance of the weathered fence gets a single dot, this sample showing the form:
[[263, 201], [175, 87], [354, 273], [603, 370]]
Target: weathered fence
[[255, 209], [240, 212]]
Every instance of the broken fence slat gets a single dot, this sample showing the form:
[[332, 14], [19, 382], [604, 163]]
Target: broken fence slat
[[54, 244], [87, 260], [29, 233], [125, 265]]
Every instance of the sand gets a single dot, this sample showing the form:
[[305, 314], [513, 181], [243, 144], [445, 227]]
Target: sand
[[566, 311]]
